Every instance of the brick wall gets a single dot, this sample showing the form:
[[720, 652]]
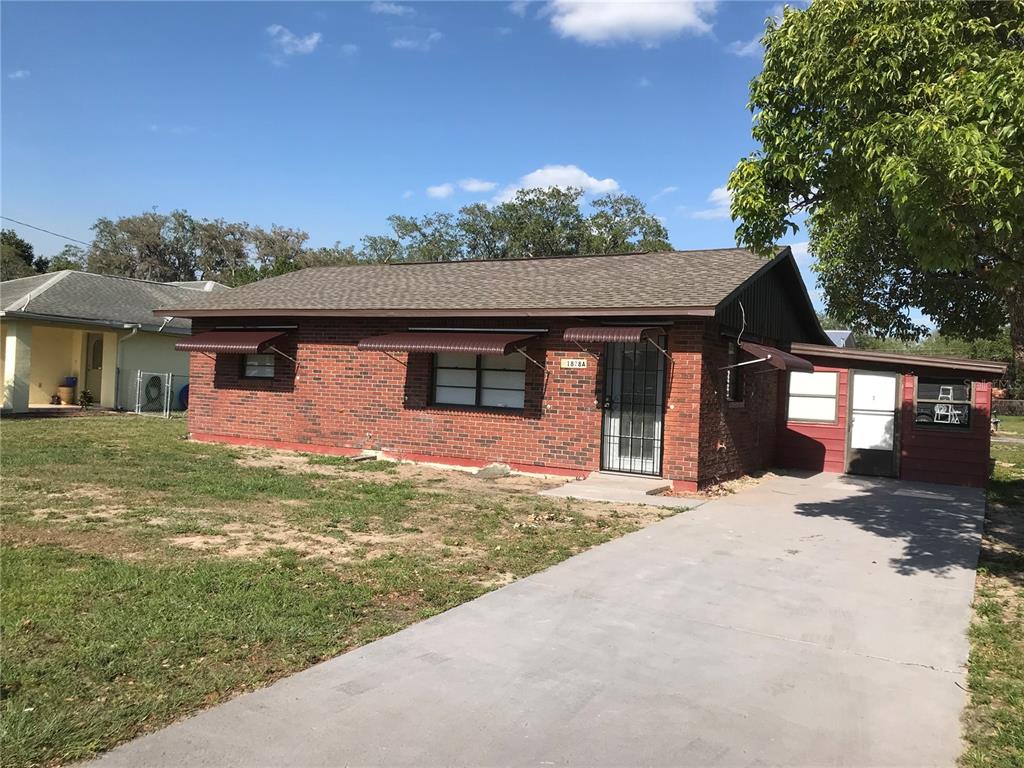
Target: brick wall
[[342, 400], [736, 438]]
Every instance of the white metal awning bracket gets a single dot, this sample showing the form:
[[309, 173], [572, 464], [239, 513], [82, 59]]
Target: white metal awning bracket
[[658, 347], [282, 354], [745, 362], [521, 352], [547, 374], [586, 351]]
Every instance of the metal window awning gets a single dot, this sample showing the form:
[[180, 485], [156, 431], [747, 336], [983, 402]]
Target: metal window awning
[[776, 358], [470, 342], [590, 334], [229, 342]]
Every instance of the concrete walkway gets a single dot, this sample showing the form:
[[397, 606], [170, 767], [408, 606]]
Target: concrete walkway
[[628, 489], [800, 622]]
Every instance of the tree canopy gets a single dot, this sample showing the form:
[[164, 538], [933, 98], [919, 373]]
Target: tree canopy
[[178, 246], [898, 129], [533, 224], [17, 257]]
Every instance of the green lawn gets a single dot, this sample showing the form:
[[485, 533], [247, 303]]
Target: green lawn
[[145, 576], [1011, 426], [994, 720]]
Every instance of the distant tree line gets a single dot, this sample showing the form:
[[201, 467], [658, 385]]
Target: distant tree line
[[178, 246]]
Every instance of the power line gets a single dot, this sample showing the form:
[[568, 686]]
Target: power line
[[40, 229]]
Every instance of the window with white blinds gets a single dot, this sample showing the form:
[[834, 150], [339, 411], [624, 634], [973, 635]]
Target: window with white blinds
[[484, 381], [812, 396]]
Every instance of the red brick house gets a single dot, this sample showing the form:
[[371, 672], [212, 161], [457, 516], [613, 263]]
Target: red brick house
[[670, 364]]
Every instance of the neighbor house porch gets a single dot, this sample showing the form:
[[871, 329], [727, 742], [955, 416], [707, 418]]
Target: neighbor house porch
[[37, 357]]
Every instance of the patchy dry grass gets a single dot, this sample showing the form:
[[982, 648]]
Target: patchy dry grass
[[994, 719], [145, 576]]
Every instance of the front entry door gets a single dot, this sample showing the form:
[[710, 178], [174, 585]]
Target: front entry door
[[873, 423], [634, 397]]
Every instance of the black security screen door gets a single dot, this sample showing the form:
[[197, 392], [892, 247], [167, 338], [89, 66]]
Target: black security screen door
[[634, 398]]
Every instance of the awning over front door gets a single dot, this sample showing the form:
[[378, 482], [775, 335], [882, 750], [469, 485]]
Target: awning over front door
[[471, 342], [230, 342], [589, 334], [776, 358]]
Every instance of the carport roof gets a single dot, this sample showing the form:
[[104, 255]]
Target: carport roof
[[851, 356]]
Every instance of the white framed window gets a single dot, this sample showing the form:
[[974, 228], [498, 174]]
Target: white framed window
[[813, 396], [483, 381], [258, 366]]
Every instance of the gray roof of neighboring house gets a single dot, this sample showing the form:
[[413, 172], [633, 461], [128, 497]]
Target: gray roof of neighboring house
[[841, 338], [207, 286], [667, 282], [84, 297]]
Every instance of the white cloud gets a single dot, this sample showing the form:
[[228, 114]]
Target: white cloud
[[664, 191], [407, 194], [440, 191], [349, 49], [567, 176], [719, 198], [287, 43], [173, 130], [416, 39], [562, 176], [628, 20], [18, 74], [751, 47], [644, 82], [518, 7], [477, 185], [391, 9], [802, 253]]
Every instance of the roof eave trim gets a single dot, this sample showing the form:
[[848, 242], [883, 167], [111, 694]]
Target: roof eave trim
[[535, 312], [115, 324], [854, 355]]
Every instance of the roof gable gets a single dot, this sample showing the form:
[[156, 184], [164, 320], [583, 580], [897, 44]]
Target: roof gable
[[773, 304]]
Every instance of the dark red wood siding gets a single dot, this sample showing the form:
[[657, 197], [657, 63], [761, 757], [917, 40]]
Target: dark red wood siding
[[818, 447], [927, 453], [942, 454]]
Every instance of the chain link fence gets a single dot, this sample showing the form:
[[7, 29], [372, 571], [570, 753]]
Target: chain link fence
[[160, 394]]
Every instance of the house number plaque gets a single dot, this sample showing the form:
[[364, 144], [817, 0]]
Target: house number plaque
[[574, 362]]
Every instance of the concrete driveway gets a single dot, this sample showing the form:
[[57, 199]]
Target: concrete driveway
[[801, 622]]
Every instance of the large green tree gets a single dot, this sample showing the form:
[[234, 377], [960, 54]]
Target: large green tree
[[534, 223], [897, 128], [17, 257]]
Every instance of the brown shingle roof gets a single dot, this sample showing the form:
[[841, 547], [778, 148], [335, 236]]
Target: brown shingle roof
[[677, 280]]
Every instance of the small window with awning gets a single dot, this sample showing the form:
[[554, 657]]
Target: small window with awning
[[476, 369], [241, 342]]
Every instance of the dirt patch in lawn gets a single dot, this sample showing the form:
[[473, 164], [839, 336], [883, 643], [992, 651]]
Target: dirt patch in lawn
[[449, 479], [94, 542], [248, 540]]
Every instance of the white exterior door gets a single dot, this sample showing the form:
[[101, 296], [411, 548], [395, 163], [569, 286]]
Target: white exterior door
[[873, 426]]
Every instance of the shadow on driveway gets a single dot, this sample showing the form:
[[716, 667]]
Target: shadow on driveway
[[938, 525]]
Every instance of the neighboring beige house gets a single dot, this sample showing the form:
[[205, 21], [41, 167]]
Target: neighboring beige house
[[98, 328]]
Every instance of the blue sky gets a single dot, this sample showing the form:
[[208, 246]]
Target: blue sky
[[331, 116]]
